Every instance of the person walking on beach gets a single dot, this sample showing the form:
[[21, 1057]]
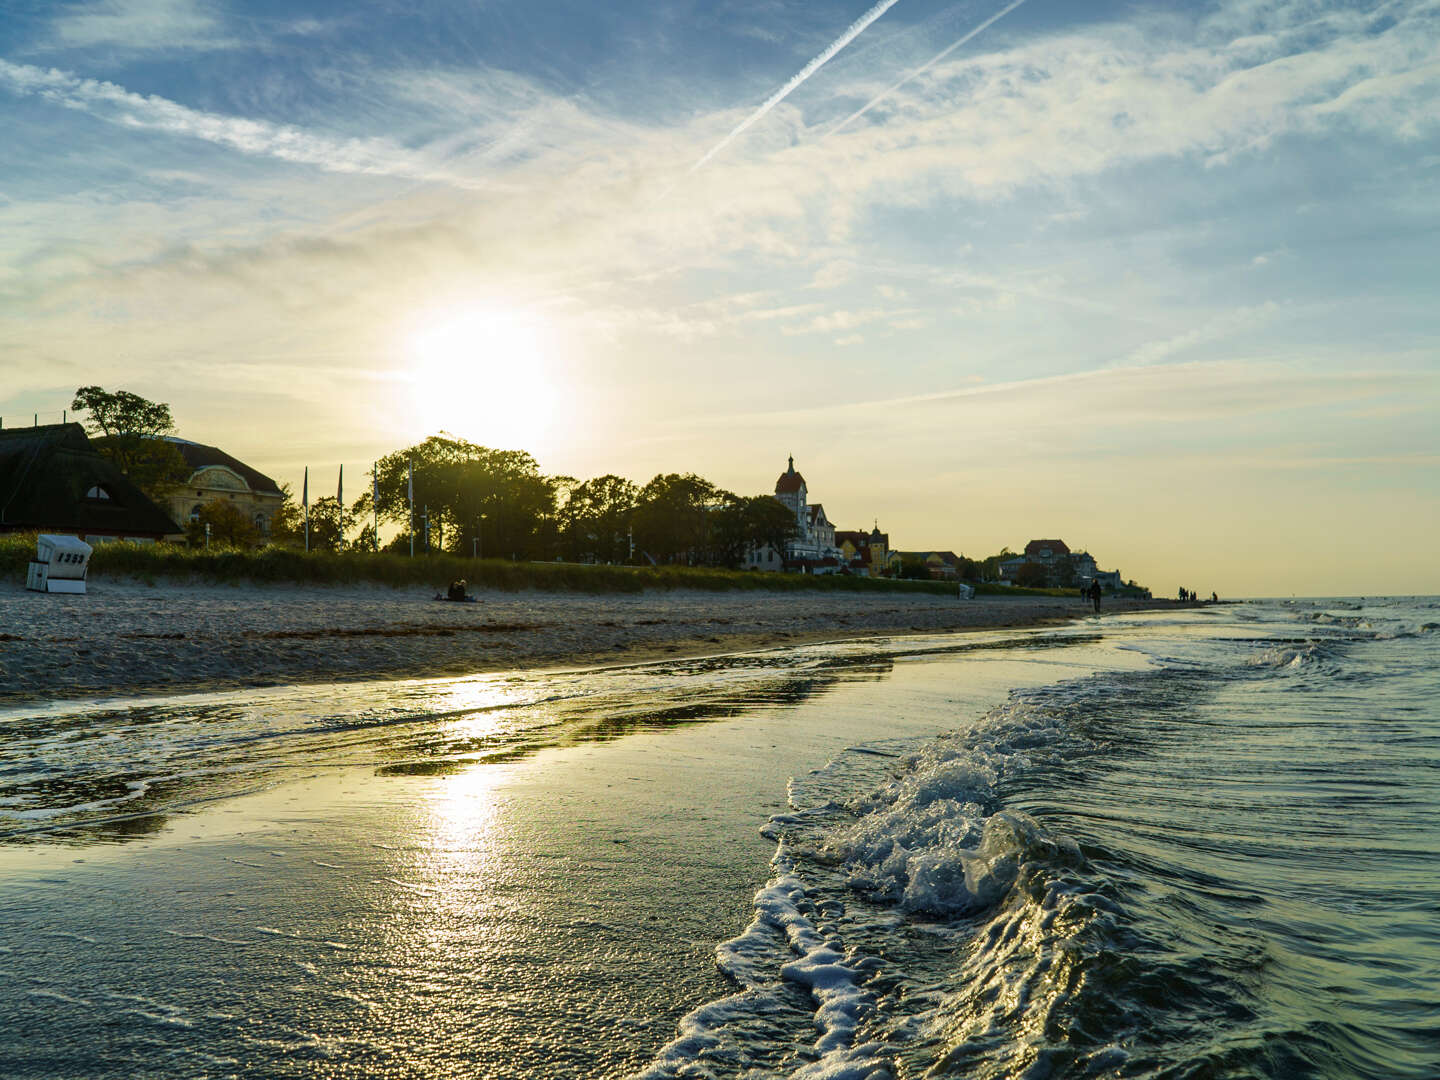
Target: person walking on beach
[[1095, 595]]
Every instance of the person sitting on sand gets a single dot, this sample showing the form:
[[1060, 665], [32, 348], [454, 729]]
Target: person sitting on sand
[[456, 591]]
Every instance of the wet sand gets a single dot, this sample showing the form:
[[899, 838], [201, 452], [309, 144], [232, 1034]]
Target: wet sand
[[127, 637], [547, 915]]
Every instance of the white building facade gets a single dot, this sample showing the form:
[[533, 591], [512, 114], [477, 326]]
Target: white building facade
[[812, 549]]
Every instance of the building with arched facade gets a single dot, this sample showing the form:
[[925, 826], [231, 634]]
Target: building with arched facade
[[216, 476]]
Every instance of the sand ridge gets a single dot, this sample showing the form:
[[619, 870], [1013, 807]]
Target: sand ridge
[[126, 637]]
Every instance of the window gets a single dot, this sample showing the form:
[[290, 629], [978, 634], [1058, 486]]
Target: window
[[97, 492], [195, 512]]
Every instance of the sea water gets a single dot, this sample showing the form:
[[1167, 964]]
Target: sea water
[[1191, 844]]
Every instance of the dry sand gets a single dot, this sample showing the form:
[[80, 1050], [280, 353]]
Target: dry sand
[[126, 637]]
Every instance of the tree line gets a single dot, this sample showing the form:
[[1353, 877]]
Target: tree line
[[474, 500], [468, 500]]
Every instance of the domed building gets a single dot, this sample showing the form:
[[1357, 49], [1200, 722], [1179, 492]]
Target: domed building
[[216, 476]]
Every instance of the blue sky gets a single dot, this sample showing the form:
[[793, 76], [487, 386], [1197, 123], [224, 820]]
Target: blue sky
[[1156, 279]]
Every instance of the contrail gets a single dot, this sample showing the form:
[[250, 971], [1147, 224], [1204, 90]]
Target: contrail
[[923, 67], [853, 31]]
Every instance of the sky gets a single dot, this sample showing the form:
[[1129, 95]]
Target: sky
[[1155, 279]]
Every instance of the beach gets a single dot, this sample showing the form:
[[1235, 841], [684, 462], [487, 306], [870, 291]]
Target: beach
[[1157, 843], [127, 637]]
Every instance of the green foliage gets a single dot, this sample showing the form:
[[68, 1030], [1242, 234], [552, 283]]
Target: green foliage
[[288, 565], [914, 570], [671, 519], [229, 526], [1032, 576], [468, 491], [129, 429], [765, 520], [329, 522], [287, 526], [594, 522]]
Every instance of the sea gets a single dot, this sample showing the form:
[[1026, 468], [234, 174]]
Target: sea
[[1193, 843]]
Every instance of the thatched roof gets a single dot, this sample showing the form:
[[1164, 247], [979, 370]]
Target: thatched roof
[[52, 479]]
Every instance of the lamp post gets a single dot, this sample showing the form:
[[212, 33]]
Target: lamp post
[[479, 545]]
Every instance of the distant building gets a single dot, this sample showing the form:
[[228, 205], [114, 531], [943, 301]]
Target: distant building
[[880, 553], [1046, 552], [1009, 568], [1058, 567], [215, 476], [53, 480], [854, 551], [943, 565], [812, 549]]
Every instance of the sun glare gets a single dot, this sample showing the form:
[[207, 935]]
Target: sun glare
[[484, 375]]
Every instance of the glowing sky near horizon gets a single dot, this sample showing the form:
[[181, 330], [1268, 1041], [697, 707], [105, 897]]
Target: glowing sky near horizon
[[1156, 279]]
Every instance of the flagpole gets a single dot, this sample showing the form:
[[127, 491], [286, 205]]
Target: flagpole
[[340, 508], [375, 502], [410, 487], [305, 502]]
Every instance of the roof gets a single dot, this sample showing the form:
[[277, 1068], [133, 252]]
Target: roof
[[200, 456], [1057, 546], [790, 481], [46, 473], [859, 539], [816, 513], [949, 558]]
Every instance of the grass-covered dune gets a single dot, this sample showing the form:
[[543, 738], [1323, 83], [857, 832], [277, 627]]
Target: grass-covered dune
[[149, 562]]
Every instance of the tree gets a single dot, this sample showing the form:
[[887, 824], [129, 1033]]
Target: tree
[[468, 492], [595, 519], [329, 522], [130, 432], [1063, 573], [671, 517], [229, 525], [1032, 576], [768, 521], [914, 570], [968, 569], [726, 539], [287, 526], [741, 525]]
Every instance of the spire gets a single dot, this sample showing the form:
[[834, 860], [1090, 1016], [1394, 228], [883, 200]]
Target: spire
[[792, 464]]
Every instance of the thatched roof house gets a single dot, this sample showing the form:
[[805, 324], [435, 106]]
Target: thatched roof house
[[53, 480]]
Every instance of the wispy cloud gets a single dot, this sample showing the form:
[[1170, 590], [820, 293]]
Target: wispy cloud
[[141, 25], [915, 72], [1217, 328], [853, 31], [1191, 392], [114, 104]]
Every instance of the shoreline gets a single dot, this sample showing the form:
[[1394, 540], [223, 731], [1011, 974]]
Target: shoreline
[[129, 638]]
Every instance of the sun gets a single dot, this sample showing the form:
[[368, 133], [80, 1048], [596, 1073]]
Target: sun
[[484, 374]]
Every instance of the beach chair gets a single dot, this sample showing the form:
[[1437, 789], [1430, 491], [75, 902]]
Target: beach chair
[[60, 565]]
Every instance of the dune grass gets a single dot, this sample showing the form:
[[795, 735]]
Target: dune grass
[[151, 562]]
